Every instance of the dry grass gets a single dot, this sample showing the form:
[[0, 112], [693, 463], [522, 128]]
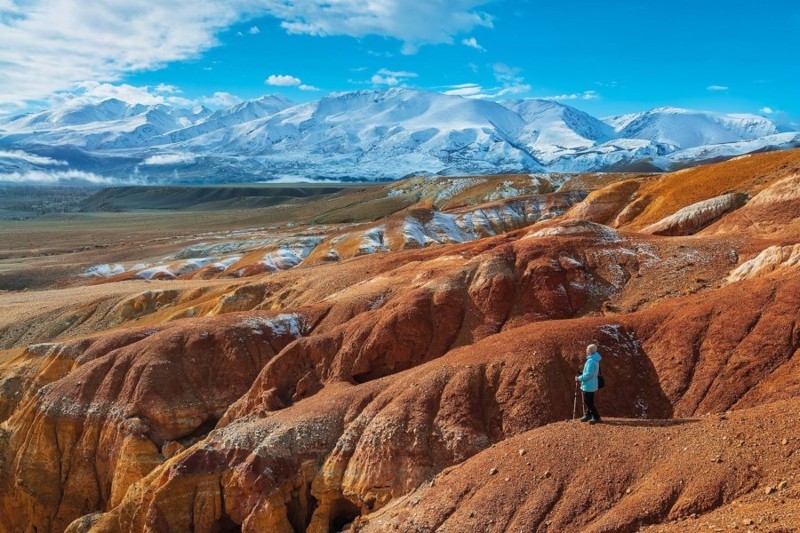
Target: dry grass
[[676, 190]]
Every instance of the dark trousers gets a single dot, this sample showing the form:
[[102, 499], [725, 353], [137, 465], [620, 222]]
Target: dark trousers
[[588, 405]]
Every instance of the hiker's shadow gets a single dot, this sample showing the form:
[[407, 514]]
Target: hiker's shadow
[[633, 389], [653, 423]]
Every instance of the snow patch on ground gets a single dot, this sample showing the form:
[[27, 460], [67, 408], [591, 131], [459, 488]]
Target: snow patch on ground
[[227, 262], [624, 338], [104, 271], [507, 190], [646, 255], [281, 259], [414, 233], [456, 187], [404, 190], [443, 228], [377, 302], [152, 272], [221, 248], [194, 264], [293, 324], [373, 241], [291, 253]]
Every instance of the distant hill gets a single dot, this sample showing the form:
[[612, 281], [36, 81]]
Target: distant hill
[[133, 198]]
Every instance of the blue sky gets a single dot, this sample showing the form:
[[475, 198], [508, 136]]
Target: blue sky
[[605, 57]]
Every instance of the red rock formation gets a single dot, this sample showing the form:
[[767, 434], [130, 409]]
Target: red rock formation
[[428, 388], [92, 417], [381, 439]]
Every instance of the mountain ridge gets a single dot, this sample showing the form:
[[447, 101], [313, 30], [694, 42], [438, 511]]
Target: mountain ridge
[[377, 134]]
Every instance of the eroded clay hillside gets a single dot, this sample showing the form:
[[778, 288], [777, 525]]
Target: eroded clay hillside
[[402, 358]]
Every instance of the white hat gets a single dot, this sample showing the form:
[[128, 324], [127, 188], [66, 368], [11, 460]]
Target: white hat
[[591, 348]]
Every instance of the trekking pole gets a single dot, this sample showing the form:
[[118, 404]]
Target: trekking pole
[[575, 400]]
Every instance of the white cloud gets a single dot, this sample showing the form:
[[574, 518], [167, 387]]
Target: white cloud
[[391, 78], [373, 53], [93, 91], [31, 158], [512, 84], [254, 30], [52, 45], [461, 85], [166, 89], [465, 89], [283, 80], [473, 43], [511, 78], [476, 90], [391, 81], [717, 88], [413, 23], [221, 99], [180, 101], [585, 95], [503, 72], [89, 92], [766, 110], [286, 80], [169, 159], [514, 88], [398, 73], [61, 176]]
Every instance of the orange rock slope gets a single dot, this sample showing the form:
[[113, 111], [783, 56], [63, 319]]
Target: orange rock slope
[[430, 389]]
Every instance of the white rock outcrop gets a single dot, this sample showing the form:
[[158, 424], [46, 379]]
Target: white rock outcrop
[[695, 217], [769, 260]]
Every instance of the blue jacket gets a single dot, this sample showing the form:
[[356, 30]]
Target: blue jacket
[[590, 372]]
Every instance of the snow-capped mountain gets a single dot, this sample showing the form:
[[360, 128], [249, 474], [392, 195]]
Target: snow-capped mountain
[[74, 115], [549, 124], [223, 120], [368, 135], [685, 128], [109, 124], [364, 131]]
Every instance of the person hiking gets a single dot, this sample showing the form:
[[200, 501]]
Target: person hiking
[[589, 384]]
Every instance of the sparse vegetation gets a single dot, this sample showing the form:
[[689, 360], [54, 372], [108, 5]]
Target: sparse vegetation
[[20, 202]]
